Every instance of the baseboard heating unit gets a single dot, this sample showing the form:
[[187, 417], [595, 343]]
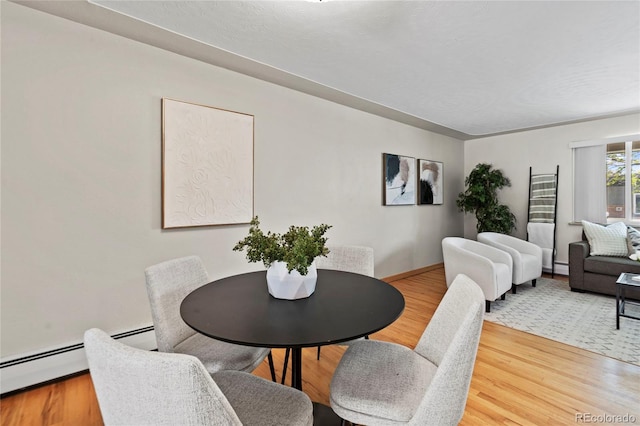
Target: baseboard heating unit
[[27, 370]]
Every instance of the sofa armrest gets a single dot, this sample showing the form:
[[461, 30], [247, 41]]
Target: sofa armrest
[[578, 252]]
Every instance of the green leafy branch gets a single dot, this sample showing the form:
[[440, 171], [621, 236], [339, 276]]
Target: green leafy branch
[[298, 247], [481, 198]]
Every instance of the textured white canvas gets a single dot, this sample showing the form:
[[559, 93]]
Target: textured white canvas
[[207, 165]]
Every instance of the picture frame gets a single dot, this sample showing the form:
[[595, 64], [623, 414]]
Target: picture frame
[[207, 165], [430, 182], [399, 180]]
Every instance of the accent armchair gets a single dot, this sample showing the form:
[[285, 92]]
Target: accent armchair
[[138, 387], [488, 266], [526, 256], [383, 383]]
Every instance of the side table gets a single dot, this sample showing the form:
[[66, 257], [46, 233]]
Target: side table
[[625, 280]]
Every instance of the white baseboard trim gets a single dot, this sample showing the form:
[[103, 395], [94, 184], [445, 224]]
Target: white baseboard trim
[[26, 370], [560, 269]]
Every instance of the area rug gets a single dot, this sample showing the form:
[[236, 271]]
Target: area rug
[[584, 320]]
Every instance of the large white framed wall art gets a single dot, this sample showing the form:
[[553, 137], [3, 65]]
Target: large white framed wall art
[[207, 165]]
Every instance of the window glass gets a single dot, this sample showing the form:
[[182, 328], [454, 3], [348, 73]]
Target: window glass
[[623, 182], [616, 179], [635, 180]]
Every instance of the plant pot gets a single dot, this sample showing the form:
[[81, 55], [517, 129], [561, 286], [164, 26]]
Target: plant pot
[[283, 284]]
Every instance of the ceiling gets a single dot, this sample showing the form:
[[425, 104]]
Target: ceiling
[[465, 68]]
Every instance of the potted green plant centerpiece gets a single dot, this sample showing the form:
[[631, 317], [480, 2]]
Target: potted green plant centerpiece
[[289, 257]]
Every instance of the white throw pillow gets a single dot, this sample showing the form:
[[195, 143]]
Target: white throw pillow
[[610, 240], [633, 235]]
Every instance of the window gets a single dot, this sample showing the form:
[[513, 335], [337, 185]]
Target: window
[[623, 181], [606, 179]]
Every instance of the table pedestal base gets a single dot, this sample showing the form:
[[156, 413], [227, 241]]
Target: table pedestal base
[[324, 415]]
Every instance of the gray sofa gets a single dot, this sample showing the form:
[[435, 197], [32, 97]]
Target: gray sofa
[[598, 274]]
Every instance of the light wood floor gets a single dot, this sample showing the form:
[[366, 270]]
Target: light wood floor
[[519, 379]]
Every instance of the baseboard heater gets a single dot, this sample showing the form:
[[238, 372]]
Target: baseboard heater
[[21, 372]]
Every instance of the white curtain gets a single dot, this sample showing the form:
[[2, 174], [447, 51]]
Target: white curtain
[[589, 183]]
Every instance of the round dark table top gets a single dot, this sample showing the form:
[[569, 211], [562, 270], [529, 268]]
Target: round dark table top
[[344, 306]]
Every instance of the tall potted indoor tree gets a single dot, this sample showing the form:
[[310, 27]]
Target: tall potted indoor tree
[[481, 198]]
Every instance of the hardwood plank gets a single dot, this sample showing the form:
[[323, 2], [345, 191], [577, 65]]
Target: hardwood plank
[[519, 378], [69, 402]]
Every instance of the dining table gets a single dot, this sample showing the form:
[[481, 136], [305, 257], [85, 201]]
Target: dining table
[[344, 306]]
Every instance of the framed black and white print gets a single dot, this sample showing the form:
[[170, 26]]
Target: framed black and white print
[[431, 176], [399, 180]]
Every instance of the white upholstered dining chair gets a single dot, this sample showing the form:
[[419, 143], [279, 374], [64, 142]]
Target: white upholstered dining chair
[[139, 387], [383, 383], [526, 256], [347, 258], [488, 266], [168, 283], [356, 259]]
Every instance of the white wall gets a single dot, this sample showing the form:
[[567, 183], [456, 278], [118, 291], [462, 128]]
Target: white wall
[[81, 151], [542, 150]]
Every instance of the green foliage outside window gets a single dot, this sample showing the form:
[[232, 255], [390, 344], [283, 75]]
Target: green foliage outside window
[[616, 170]]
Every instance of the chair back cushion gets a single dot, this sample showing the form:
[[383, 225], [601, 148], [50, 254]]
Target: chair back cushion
[[450, 341], [138, 387], [357, 259], [168, 283]]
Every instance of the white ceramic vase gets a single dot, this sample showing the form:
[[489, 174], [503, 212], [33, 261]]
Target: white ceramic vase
[[283, 284]]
